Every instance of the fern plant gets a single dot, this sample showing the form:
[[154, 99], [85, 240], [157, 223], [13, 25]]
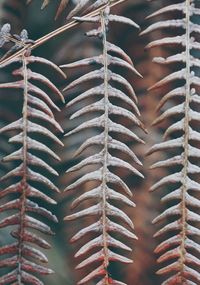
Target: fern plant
[[179, 250], [103, 193], [36, 109], [106, 108]]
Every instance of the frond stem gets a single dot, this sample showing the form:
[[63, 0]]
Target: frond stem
[[24, 178], [106, 135], [186, 144]]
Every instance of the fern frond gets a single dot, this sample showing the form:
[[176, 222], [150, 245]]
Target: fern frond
[[103, 193], [36, 113], [179, 251]]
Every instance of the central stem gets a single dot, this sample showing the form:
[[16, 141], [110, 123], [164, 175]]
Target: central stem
[[106, 134], [24, 178], [186, 143]]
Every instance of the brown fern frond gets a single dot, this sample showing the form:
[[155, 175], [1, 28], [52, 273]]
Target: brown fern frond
[[179, 251], [36, 111], [104, 194]]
